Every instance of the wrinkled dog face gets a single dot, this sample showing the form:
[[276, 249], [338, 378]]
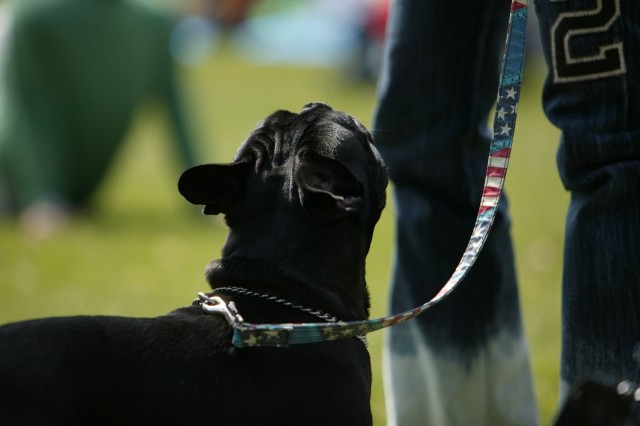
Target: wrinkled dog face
[[320, 159]]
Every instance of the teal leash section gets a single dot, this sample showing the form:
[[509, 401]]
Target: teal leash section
[[283, 335]]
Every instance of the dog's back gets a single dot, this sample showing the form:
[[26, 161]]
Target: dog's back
[[172, 370]]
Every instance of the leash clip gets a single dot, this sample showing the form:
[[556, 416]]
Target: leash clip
[[216, 306]]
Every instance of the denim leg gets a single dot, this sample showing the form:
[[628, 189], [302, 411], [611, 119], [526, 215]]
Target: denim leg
[[464, 361], [592, 94]]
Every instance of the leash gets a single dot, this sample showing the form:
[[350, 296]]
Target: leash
[[283, 335], [214, 304]]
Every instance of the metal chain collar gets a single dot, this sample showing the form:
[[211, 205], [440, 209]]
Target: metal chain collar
[[244, 292]]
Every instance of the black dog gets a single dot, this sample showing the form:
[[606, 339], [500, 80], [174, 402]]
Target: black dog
[[301, 200]]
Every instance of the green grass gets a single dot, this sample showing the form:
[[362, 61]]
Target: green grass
[[141, 251]]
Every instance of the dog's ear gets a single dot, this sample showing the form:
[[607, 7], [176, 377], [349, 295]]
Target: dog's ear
[[327, 189], [216, 186]]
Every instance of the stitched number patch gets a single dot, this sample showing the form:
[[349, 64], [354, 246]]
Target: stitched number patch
[[605, 60]]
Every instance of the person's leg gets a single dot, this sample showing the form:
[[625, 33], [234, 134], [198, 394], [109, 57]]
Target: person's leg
[[464, 361], [593, 95]]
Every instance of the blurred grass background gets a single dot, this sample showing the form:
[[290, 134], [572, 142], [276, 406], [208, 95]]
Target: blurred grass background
[[141, 250]]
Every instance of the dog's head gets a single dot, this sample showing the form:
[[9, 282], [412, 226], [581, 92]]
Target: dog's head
[[302, 195], [320, 160]]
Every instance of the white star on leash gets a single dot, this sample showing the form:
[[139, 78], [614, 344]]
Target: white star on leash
[[476, 241], [511, 93], [501, 114], [505, 130], [252, 340]]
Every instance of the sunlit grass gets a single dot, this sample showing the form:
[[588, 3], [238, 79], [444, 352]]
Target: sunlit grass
[[141, 250]]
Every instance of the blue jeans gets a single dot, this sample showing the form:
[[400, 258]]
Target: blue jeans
[[466, 361], [592, 94]]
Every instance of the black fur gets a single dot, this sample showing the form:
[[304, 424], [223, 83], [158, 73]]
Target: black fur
[[301, 200]]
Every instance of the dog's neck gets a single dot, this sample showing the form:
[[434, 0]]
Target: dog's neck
[[323, 269]]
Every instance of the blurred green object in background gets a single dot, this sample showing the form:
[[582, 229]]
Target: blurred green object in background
[[74, 73]]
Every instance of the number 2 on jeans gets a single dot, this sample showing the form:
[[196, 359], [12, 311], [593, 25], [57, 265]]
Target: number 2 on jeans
[[608, 61]]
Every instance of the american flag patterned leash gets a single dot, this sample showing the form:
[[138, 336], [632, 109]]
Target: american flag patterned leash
[[283, 335]]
